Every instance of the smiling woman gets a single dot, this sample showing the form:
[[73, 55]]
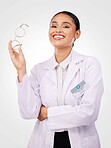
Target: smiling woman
[[60, 92], [66, 26]]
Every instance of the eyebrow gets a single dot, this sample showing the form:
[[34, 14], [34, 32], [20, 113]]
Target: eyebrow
[[62, 22]]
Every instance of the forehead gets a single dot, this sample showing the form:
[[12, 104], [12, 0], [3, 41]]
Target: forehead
[[62, 18]]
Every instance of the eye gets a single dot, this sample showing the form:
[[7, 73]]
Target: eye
[[53, 26], [65, 26]]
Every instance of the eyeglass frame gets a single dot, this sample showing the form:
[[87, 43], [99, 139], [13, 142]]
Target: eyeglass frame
[[19, 36]]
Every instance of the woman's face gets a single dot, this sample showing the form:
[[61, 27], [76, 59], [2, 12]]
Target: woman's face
[[62, 31]]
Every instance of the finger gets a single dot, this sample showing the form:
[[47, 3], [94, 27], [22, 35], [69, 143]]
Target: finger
[[20, 50], [12, 52], [40, 118], [9, 45]]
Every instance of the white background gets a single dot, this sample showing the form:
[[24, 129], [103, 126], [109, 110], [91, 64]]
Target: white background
[[95, 20]]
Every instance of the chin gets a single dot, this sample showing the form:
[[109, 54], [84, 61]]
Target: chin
[[58, 45]]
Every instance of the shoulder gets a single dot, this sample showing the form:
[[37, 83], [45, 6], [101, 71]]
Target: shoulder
[[92, 61], [87, 62], [42, 65], [88, 59], [39, 69]]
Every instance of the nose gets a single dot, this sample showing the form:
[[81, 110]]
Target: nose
[[58, 29]]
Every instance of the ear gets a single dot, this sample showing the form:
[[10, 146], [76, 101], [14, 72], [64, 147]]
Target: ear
[[77, 34]]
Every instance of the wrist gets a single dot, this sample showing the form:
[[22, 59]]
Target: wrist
[[21, 73]]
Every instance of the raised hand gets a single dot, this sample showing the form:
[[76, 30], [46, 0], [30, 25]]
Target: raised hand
[[18, 60]]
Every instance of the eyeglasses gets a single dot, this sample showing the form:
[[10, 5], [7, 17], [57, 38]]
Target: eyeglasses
[[19, 32]]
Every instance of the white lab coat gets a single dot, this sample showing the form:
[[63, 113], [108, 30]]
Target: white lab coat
[[77, 115]]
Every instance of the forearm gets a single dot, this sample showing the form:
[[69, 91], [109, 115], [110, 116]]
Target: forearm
[[28, 95]]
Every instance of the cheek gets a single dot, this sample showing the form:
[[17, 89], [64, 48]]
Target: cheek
[[70, 33], [50, 33], [69, 36]]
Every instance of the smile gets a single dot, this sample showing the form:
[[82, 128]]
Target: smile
[[58, 37]]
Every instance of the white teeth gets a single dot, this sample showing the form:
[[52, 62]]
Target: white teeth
[[58, 36]]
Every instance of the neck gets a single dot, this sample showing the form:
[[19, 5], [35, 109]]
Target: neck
[[62, 53]]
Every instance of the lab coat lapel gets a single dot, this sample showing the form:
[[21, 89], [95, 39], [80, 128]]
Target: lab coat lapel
[[50, 71], [51, 75], [74, 66], [72, 70]]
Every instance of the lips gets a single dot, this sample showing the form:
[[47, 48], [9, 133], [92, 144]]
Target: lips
[[58, 36]]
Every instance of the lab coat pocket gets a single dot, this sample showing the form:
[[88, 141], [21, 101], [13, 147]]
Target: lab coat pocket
[[91, 142], [75, 100], [79, 90]]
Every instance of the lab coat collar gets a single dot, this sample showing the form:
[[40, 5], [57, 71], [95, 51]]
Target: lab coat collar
[[63, 64], [75, 58]]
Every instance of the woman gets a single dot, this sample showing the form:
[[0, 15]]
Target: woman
[[63, 92]]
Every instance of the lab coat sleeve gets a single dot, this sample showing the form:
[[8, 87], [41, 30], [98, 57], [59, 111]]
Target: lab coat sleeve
[[28, 95], [67, 116]]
